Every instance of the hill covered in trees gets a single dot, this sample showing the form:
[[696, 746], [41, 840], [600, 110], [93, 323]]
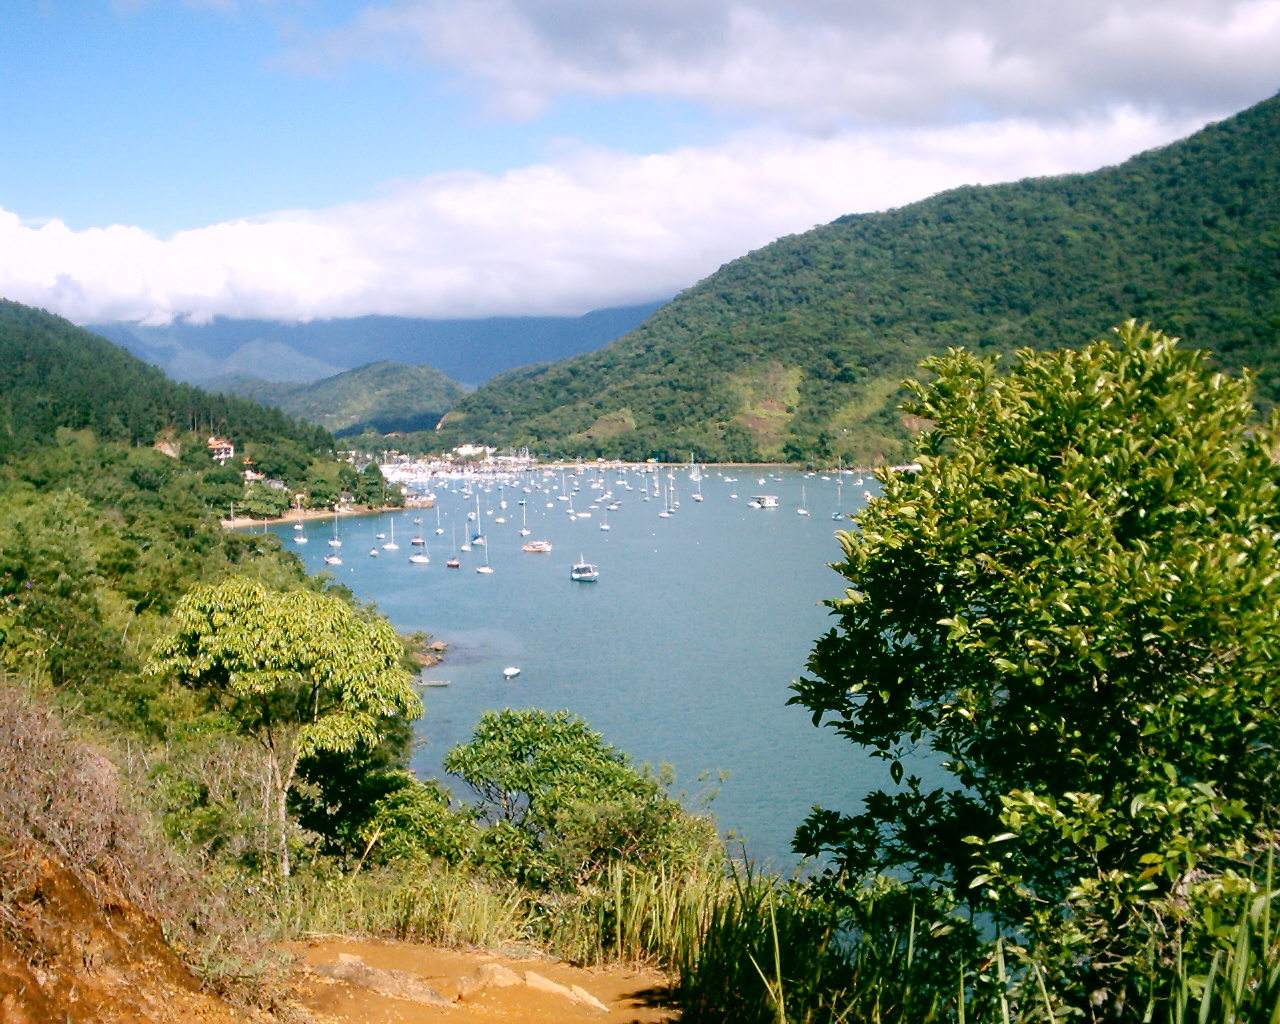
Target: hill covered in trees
[[796, 350], [382, 396], [54, 374]]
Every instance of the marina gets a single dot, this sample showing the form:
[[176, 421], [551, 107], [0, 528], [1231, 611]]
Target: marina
[[681, 652]]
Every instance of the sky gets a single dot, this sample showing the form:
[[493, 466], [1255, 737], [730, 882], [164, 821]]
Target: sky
[[301, 159]]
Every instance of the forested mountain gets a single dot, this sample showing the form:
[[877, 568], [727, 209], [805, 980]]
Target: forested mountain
[[383, 396], [796, 350], [54, 374], [465, 350]]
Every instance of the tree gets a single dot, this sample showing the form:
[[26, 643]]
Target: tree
[[562, 803], [300, 672], [1074, 605]]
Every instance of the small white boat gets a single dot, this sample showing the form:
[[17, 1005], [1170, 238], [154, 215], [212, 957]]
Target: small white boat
[[332, 560], [299, 538], [373, 552], [484, 570], [297, 526], [420, 558], [584, 571], [510, 672], [391, 545]]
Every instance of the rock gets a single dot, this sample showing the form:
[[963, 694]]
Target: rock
[[396, 984], [577, 994], [487, 976]]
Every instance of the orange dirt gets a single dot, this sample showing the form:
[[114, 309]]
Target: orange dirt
[[73, 957], [365, 981]]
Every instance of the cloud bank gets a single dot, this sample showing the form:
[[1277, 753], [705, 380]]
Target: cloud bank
[[815, 63], [596, 228]]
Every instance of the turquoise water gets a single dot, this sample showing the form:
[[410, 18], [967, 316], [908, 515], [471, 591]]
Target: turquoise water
[[682, 652]]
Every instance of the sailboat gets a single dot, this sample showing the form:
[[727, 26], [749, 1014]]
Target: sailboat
[[439, 528], [332, 558], [838, 514], [453, 562], [391, 545], [666, 512], [524, 520], [802, 510], [605, 524], [486, 568]]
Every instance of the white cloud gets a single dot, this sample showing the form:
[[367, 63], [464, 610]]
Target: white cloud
[[595, 228], [822, 62]]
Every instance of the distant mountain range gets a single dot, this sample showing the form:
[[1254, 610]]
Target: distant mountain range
[[796, 350], [471, 351], [384, 397]]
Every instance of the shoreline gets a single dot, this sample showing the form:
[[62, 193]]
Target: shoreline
[[308, 515]]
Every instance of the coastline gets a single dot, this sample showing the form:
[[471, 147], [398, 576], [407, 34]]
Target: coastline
[[308, 515]]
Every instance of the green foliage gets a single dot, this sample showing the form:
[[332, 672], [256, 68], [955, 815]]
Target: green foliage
[[53, 374], [1184, 236], [562, 803], [1074, 605], [300, 672], [383, 396]]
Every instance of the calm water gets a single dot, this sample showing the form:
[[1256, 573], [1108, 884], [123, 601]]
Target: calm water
[[682, 652]]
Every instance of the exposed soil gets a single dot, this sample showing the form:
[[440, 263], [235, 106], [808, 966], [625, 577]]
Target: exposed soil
[[72, 957], [377, 982]]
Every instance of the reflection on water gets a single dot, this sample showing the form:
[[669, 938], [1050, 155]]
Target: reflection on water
[[682, 652]]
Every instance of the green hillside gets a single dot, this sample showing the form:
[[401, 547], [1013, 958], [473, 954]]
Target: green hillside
[[383, 396], [54, 374], [795, 350]]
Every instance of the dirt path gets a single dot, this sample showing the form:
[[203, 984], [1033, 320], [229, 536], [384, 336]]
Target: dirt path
[[378, 982]]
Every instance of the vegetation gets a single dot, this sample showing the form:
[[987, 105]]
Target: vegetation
[[53, 374], [796, 351], [298, 672], [382, 397], [1073, 606]]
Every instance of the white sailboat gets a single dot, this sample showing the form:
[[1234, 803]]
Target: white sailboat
[[391, 545], [439, 528], [838, 514], [485, 569], [524, 520], [604, 525], [804, 500]]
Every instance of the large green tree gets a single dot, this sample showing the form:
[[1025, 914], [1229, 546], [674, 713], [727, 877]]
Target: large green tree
[[300, 672], [562, 803], [1073, 606]]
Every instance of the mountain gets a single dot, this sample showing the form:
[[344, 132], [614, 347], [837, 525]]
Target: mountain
[[384, 397], [54, 374], [465, 350], [796, 350]]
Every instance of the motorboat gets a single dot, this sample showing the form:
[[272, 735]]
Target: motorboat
[[537, 547], [584, 571], [453, 563], [510, 672], [332, 560]]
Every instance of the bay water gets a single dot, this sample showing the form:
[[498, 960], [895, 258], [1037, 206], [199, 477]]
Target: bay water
[[681, 653]]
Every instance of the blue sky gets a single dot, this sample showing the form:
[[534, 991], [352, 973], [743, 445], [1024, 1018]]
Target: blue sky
[[173, 116], [297, 158]]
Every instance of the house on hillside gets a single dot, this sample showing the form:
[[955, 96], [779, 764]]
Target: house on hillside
[[221, 450]]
